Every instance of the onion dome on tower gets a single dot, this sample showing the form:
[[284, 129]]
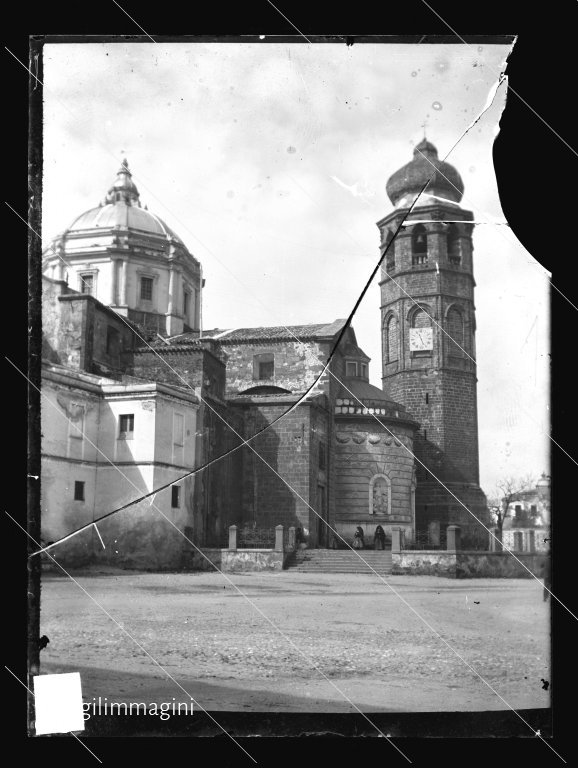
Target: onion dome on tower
[[444, 180]]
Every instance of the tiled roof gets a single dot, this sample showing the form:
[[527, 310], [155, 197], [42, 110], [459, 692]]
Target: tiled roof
[[365, 391], [276, 333], [352, 350]]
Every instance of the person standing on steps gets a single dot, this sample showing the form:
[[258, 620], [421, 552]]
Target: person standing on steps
[[358, 540]]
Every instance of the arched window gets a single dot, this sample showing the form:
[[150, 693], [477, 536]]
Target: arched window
[[454, 245], [455, 330], [421, 319], [379, 495], [390, 252], [391, 340], [419, 245]]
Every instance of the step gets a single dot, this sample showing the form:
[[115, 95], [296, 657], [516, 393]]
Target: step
[[341, 561], [358, 571]]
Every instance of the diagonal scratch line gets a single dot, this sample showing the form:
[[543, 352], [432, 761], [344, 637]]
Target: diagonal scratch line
[[33, 694], [453, 494], [143, 184], [311, 388], [135, 641], [186, 383], [416, 303], [336, 345], [133, 21], [37, 235], [289, 21], [99, 536], [563, 296], [24, 65], [247, 598], [509, 86], [157, 490], [243, 441], [272, 623], [219, 415], [340, 537], [489, 220], [392, 589], [345, 326]]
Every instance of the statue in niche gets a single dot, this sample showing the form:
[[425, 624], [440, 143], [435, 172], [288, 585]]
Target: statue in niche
[[380, 497]]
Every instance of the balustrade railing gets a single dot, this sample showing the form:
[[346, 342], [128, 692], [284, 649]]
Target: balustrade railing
[[256, 538]]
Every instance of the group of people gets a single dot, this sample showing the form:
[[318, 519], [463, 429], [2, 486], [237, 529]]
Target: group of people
[[378, 538]]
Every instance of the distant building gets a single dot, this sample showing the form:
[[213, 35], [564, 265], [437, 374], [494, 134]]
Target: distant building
[[124, 353], [527, 525]]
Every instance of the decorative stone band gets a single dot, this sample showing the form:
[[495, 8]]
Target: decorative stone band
[[372, 438], [345, 406]]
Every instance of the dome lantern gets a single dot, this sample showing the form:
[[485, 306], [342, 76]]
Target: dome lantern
[[124, 189]]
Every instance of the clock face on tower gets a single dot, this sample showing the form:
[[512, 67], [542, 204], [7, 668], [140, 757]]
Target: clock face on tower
[[420, 339]]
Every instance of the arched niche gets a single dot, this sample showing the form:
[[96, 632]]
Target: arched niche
[[380, 496]]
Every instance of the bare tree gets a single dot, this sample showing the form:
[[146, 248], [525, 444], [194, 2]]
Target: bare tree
[[504, 494]]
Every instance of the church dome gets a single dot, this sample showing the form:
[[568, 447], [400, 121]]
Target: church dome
[[122, 215], [445, 182], [121, 209]]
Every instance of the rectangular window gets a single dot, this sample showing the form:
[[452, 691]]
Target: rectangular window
[[146, 288], [79, 490], [351, 369], [363, 370], [87, 284], [321, 456], [266, 370], [186, 302], [126, 425], [178, 429], [263, 366], [175, 496]]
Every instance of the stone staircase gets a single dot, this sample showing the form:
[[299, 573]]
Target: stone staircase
[[340, 561]]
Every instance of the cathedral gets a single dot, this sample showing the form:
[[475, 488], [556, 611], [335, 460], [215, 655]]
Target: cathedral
[[281, 423]]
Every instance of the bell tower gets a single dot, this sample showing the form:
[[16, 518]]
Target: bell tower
[[428, 336]]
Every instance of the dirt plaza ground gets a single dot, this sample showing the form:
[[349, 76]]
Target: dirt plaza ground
[[340, 638]]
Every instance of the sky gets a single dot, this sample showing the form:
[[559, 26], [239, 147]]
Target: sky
[[270, 161]]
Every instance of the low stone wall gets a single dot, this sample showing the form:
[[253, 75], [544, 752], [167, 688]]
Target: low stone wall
[[467, 565], [498, 565], [437, 562], [239, 560], [196, 561]]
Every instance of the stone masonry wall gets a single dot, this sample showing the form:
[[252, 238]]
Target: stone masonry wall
[[363, 450], [266, 499], [467, 565], [297, 364]]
